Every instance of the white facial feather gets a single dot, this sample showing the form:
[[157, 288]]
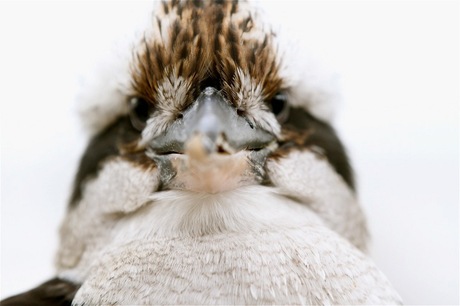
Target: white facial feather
[[250, 99], [171, 100]]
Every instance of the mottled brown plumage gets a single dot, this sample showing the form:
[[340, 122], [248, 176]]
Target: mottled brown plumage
[[203, 43]]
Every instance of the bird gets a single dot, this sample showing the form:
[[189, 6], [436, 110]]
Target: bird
[[213, 175]]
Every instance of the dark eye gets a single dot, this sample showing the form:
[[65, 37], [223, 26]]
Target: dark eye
[[279, 106], [139, 113]]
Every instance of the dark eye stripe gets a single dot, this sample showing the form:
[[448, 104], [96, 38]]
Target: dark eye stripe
[[102, 146], [139, 113], [306, 131], [280, 107]]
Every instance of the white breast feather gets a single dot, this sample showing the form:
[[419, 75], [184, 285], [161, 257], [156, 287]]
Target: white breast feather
[[248, 247], [251, 245]]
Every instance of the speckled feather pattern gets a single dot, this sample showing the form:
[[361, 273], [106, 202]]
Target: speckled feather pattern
[[308, 265]]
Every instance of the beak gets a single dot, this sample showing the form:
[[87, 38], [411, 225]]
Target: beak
[[221, 128], [218, 149]]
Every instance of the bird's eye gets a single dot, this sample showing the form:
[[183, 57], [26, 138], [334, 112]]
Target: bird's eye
[[280, 107], [139, 113]]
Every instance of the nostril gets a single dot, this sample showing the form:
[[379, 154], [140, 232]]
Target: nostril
[[242, 113], [221, 150]]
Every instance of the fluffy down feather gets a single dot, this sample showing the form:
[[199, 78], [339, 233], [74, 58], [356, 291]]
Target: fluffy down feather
[[251, 245]]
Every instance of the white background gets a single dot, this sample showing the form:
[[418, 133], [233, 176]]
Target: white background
[[399, 62]]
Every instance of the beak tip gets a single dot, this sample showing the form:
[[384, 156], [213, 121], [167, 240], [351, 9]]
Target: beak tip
[[198, 147]]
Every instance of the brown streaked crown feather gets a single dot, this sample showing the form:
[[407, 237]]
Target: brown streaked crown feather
[[202, 40]]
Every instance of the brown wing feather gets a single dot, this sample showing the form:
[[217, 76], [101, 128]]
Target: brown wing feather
[[55, 292]]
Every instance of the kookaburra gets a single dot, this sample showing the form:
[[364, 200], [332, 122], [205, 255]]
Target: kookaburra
[[213, 175]]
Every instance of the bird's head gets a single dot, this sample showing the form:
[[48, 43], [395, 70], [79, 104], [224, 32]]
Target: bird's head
[[209, 95]]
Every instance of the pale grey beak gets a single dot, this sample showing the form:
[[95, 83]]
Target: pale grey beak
[[216, 120]]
